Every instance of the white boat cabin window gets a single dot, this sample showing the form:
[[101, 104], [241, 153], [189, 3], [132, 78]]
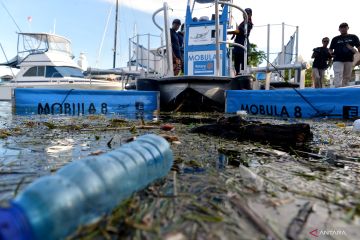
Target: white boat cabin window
[[37, 71], [56, 72]]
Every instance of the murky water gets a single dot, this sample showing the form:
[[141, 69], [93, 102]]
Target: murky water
[[31, 147], [275, 184], [5, 114]]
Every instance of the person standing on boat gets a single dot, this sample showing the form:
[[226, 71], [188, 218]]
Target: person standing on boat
[[240, 37], [176, 46], [342, 48], [322, 60], [181, 42]]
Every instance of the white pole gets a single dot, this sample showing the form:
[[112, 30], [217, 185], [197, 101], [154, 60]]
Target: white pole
[[268, 45], [297, 51], [130, 47], [169, 53], [300, 66], [246, 42], [283, 47], [302, 79], [137, 52], [267, 80], [142, 58], [217, 66], [163, 55], [289, 74], [297, 44], [268, 73], [115, 33], [148, 56]]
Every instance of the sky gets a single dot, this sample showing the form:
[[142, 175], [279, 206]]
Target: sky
[[84, 23]]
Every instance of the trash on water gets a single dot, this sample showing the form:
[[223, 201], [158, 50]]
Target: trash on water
[[222, 161], [242, 113], [251, 179], [193, 170], [237, 128], [356, 125], [331, 158], [167, 127], [341, 125], [285, 173]]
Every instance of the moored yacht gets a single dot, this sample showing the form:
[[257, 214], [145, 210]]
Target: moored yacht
[[46, 61]]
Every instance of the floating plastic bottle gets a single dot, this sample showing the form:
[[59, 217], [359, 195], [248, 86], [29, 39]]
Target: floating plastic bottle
[[356, 125], [53, 207]]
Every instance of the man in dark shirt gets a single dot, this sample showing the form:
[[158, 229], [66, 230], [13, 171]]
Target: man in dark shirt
[[322, 58], [181, 35], [176, 46], [240, 37], [342, 49]]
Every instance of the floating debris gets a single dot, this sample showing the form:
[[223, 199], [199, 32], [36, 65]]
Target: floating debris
[[97, 152], [224, 188], [167, 127], [297, 224], [236, 128]]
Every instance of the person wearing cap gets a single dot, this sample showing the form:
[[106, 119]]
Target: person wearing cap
[[342, 48], [240, 37], [322, 60], [176, 46]]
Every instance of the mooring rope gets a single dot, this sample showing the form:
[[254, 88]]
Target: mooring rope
[[318, 112], [67, 94]]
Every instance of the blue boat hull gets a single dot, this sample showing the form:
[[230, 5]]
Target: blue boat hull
[[295, 103]]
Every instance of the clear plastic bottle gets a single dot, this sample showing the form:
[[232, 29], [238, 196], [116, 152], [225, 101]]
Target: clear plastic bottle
[[53, 207], [163, 150]]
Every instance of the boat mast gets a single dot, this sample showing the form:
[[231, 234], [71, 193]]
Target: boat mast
[[115, 37]]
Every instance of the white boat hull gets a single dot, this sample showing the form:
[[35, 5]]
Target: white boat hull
[[7, 90]]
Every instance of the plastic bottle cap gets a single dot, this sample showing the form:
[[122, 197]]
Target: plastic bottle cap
[[14, 225]]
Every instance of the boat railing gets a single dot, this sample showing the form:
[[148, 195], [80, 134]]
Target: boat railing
[[286, 58], [166, 31], [298, 67], [281, 62], [217, 39], [151, 58], [40, 43]]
